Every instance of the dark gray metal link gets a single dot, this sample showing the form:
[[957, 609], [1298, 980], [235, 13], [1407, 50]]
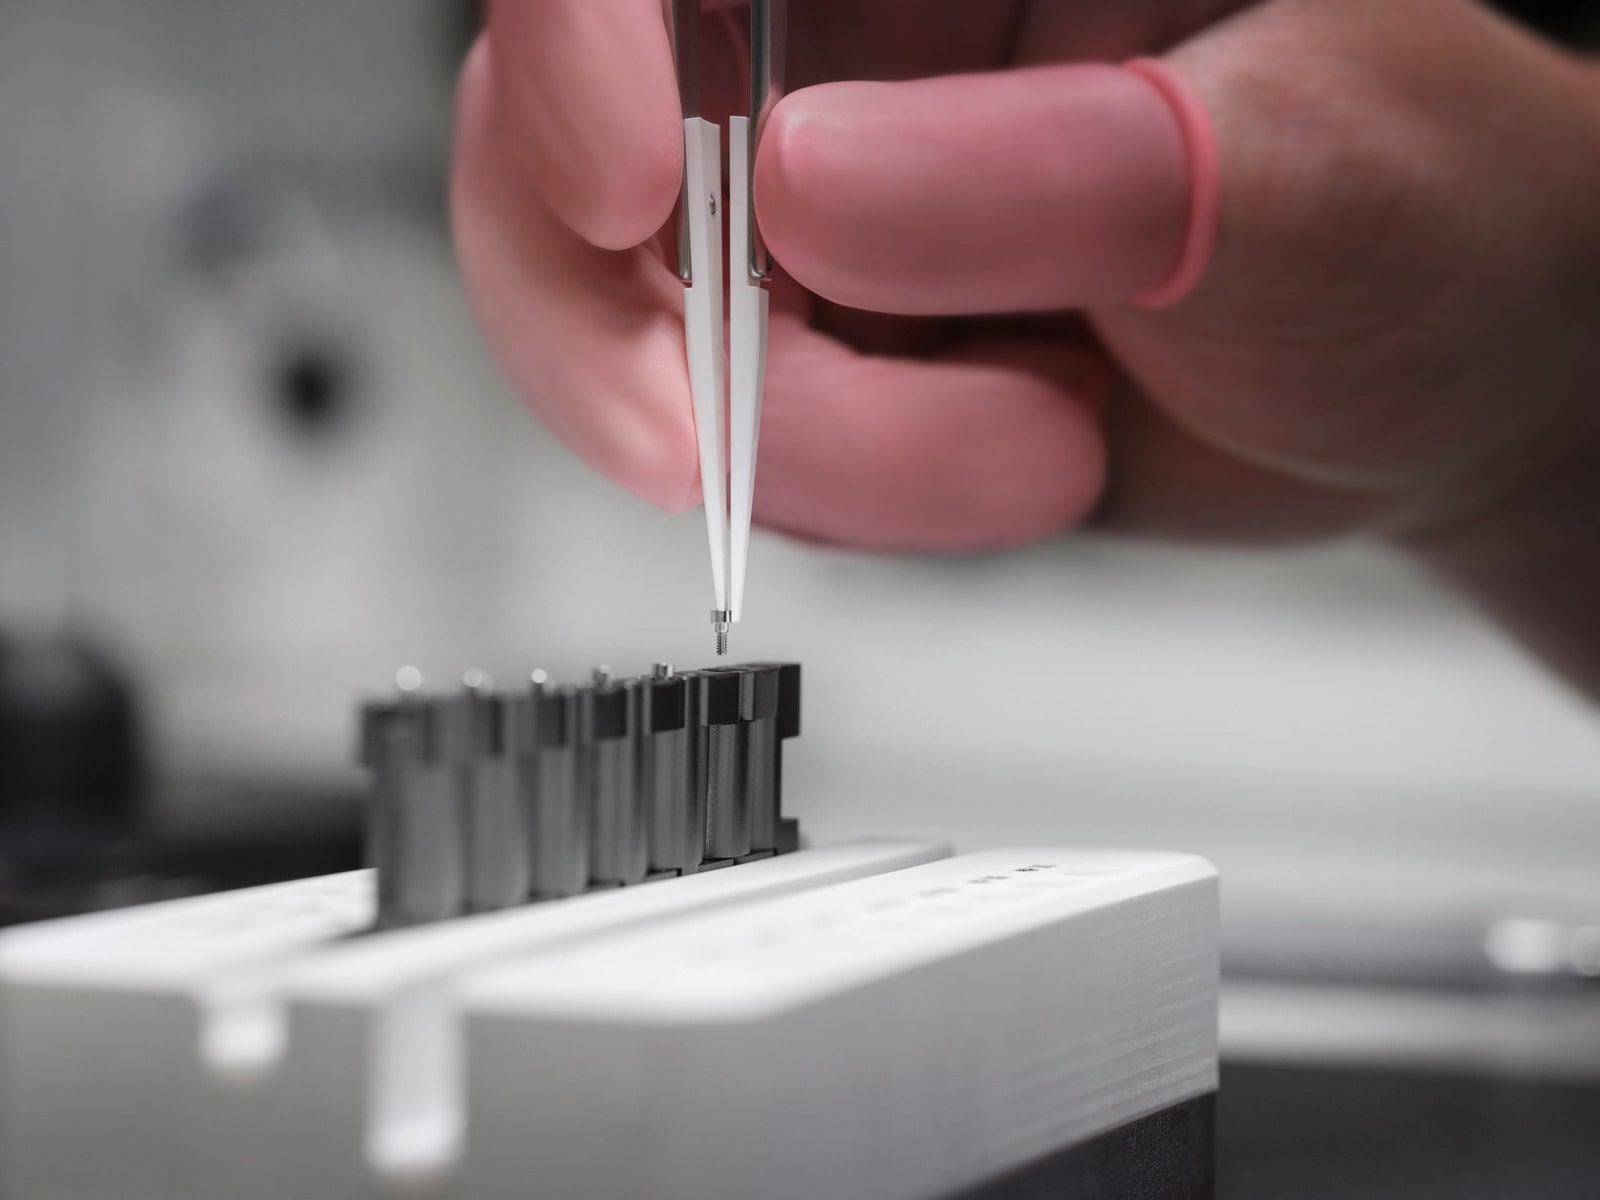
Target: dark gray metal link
[[619, 851], [668, 766], [498, 863], [727, 765], [553, 789]]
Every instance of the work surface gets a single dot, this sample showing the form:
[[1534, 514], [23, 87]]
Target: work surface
[[1305, 1134]]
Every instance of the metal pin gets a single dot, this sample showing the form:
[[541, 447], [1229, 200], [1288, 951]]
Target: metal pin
[[721, 619]]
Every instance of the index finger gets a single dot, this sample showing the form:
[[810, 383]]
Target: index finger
[[589, 93]]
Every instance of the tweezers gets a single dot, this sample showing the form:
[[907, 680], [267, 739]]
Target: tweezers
[[726, 381]]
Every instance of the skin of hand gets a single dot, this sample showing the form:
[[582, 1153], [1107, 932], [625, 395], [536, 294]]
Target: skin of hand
[[1398, 331]]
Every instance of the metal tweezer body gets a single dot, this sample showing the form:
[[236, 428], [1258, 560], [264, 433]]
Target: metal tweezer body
[[727, 398]]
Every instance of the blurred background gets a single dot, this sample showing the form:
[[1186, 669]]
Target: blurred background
[[253, 458]]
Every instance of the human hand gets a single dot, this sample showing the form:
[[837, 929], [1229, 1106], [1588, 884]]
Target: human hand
[[1399, 329]]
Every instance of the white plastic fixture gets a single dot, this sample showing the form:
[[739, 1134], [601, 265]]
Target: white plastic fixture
[[872, 1019], [901, 1037]]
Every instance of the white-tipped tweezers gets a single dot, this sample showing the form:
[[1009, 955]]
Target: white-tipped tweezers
[[727, 390]]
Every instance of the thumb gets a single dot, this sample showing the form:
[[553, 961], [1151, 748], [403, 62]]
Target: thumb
[[1295, 136], [1023, 190]]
